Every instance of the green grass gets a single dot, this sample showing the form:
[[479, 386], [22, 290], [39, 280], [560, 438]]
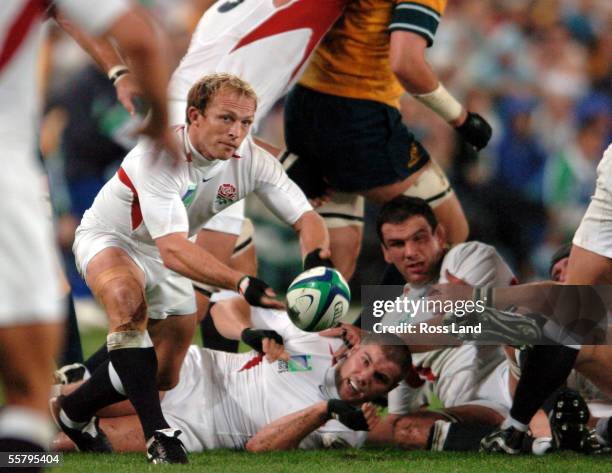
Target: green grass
[[355, 461]]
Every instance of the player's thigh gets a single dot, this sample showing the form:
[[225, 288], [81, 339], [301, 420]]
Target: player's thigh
[[586, 267], [343, 215], [171, 338], [118, 283]]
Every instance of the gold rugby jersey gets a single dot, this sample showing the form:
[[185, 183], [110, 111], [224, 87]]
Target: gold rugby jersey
[[353, 58]]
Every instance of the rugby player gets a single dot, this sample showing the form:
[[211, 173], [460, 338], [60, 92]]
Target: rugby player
[[342, 119], [281, 398], [132, 249], [466, 378], [31, 315]]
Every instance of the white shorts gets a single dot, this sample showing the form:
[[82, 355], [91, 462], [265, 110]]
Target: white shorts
[[29, 284], [166, 292], [595, 230]]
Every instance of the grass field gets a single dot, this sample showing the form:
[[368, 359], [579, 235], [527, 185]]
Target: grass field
[[355, 461]]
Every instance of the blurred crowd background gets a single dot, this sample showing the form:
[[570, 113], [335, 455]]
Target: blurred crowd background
[[539, 71]]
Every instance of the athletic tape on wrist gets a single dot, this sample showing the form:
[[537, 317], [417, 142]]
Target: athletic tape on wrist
[[115, 72], [441, 102]]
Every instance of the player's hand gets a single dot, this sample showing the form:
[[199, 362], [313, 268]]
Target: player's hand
[[318, 257], [449, 292], [128, 91], [317, 202], [475, 130], [258, 293], [350, 335], [352, 417], [267, 342]]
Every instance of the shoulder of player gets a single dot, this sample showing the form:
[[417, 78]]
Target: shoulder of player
[[470, 248], [435, 6]]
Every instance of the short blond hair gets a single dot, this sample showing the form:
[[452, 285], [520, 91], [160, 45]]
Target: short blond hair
[[204, 90]]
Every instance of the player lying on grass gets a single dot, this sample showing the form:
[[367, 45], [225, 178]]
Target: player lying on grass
[[281, 400], [464, 378]]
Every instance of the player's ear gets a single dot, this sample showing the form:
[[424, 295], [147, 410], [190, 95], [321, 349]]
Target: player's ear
[[192, 114], [385, 252]]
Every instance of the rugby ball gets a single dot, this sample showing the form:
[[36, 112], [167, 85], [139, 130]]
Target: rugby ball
[[317, 299]]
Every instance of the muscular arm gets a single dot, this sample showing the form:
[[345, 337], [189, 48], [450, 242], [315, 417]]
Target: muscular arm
[[231, 317], [288, 431], [188, 259], [408, 62], [312, 232]]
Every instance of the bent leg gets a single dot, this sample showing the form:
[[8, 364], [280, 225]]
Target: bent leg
[[586, 267]]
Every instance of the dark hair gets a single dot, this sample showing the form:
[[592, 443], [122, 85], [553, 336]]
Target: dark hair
[[401, 209], [203, 91], [562, 252], [394, 349]]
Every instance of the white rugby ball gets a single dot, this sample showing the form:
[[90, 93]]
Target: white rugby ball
[[317, 299]]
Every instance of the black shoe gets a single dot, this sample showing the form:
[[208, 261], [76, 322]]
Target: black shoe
[[508, 441], [498, 326], [71, 373], [568, 422], [88, 439], [165, 447]]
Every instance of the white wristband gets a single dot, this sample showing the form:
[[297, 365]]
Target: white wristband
[[441, 102], [116, 72]]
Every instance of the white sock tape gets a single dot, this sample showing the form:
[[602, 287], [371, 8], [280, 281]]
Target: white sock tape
[[26, 424], [441, 102], [128, 339]]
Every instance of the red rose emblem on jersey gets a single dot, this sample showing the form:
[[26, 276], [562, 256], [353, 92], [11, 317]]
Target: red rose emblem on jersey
[[226, 194]]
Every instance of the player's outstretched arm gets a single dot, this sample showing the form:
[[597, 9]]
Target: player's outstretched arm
[[313, 234], [287, 432], [408, 61], [107, 58]]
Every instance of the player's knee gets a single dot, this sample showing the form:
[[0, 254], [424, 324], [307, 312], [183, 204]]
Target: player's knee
[[411, 433], [125, 304]]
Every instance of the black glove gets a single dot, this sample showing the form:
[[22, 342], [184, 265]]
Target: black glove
[[312, 260], [253, 290], [475, 130], [254, 338], [305, 175], [346, 414]]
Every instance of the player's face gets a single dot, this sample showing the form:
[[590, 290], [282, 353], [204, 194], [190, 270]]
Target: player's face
[[559, 270], [220, 129], [366, 374], [413, 248]]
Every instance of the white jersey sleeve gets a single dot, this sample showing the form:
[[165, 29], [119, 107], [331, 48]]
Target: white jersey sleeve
[[93, 16], [477, 264], [159, 187], [278, 193], [276, 320]]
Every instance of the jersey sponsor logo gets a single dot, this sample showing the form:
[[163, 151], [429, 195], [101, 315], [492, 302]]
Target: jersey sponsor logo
[[189, 195], [229, 5], [296, 364], [226, 194]]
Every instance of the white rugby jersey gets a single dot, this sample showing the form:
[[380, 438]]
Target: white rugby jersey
[[20, 37], [223, 399], [266, 45], [454, 374], [147, 199]]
